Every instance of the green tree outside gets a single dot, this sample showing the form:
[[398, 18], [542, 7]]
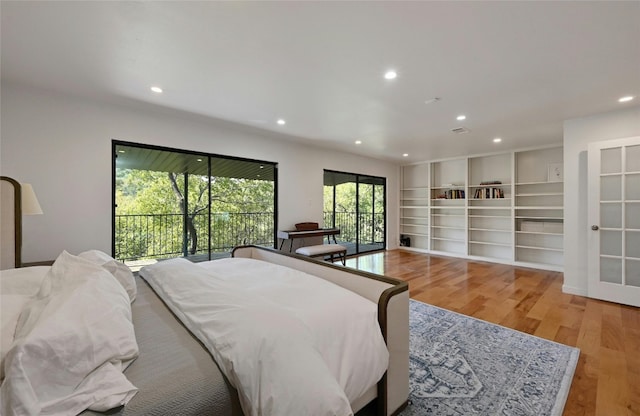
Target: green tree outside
[[150, 221]]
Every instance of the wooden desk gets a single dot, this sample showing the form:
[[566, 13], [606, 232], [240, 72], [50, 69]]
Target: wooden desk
[[293, 234]]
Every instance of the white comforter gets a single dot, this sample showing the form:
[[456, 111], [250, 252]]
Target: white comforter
[[291, 343]]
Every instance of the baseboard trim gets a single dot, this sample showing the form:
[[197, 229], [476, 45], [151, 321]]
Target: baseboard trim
[[572, 290]]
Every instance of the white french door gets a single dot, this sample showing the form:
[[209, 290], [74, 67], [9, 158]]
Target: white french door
[[614, 219]]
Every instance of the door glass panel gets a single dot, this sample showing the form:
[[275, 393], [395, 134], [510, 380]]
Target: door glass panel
[[242, 204], [633, 159], [611, 188], [371, 213], [197, 218], [611, 215], [632, 245], [632, 272], [356, 205], [632, 215], [611, 160], [343, 209], [611, 243], [610, 270], [632, 187]]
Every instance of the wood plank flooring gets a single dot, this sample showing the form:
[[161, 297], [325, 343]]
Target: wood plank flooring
[[607, 377]]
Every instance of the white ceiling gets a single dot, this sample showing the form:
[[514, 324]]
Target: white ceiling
[[515, 69]]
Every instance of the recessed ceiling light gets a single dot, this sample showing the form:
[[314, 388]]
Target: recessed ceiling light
[[405, 154], [120, 151], [281, 122], [461, 117], [358, 141], [626, 99], [261, 167], [497, 140], [199, 160], [391, 74], [156, 89]]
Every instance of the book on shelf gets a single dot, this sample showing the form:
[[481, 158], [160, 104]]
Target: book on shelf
[[452, 194], [488, 193]]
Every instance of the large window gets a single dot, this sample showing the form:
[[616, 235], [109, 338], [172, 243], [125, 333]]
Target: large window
[[174, 203], [356, 204]]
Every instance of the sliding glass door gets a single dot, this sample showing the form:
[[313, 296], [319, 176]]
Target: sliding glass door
[[173, 203], [356, 204]]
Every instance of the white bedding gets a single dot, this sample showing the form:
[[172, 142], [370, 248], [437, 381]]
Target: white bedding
[[291, 343], [73, 339]]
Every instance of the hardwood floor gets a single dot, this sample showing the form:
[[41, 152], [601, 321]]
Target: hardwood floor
[[607, 377]]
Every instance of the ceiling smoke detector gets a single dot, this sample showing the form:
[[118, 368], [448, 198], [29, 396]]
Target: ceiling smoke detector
[[460, 130]]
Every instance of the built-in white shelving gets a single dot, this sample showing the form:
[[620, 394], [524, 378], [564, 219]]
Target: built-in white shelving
[[448, 212], [539, 214], [489, 220], [414, 206], [505, 207]]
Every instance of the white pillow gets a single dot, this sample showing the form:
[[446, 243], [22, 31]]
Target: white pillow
[[118, 269], [73, 340]]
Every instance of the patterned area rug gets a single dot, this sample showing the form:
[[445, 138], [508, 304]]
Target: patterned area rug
[[462, 366]]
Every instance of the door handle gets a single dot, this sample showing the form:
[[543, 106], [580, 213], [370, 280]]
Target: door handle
[[595, 227]]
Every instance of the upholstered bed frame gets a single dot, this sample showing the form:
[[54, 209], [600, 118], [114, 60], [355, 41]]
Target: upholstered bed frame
[[10, 223], [175, 373]]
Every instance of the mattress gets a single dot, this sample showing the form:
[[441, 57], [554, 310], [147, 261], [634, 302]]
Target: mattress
[[174, 373]]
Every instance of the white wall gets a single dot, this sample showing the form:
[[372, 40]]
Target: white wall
[[578, 133], [62, 146]]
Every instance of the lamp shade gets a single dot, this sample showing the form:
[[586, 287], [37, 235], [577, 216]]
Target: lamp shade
[[30, 205]]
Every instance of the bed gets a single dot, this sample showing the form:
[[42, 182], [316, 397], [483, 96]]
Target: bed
[[174, 373], [122, 351]]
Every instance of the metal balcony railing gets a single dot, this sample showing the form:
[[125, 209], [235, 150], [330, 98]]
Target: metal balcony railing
[[371, 226], [157, 236]]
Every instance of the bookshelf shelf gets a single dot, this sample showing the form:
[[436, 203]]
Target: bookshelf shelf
[[490, 216], [540, 248], [457, 240], [538, 233], [487, 243], [490, 229], [541, 194], [416, 234]]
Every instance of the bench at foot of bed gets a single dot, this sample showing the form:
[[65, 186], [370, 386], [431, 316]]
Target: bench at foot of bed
[[325, 250]]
